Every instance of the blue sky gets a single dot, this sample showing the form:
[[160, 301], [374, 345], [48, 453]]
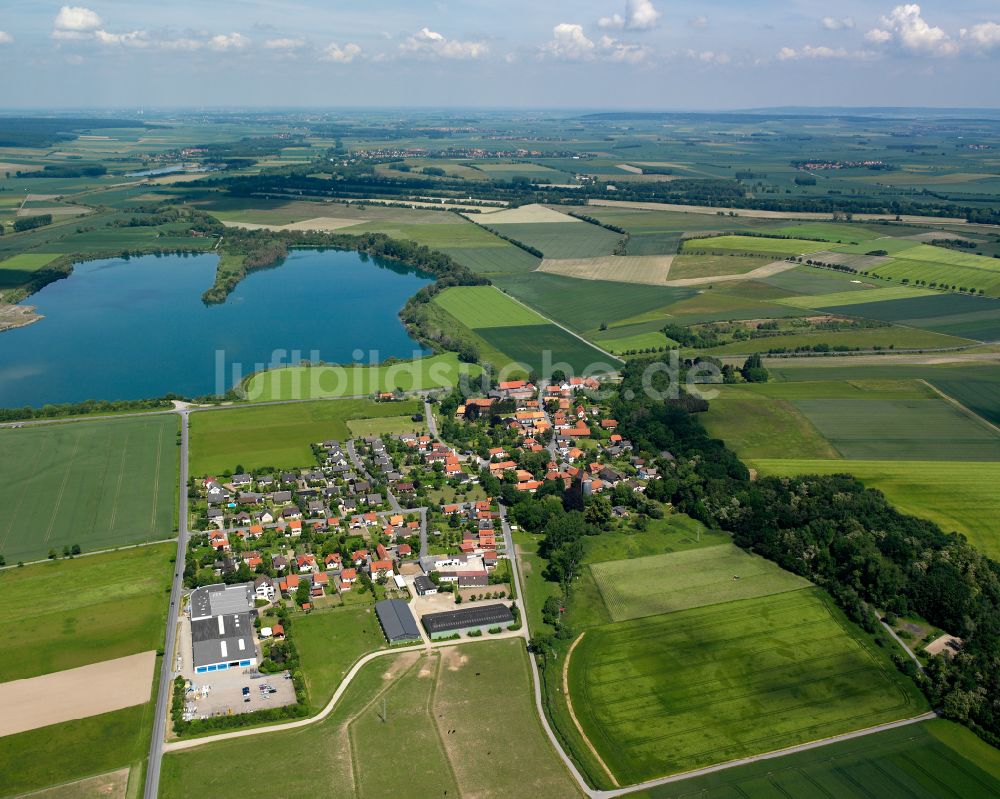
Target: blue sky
[[708, 54]]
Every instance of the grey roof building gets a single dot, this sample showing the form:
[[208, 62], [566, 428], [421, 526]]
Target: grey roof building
[[424, 585], [397, 621], [222, 633], [467, 618]]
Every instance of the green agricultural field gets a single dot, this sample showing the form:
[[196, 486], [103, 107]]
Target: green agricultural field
[[953, 314], [688, 579], [99, 484], [327, 382], [675, 532], [434, 722], [583, 305], [828, 231], [754, 244], [957, 276], [899, 338], [816, 281], [73, 750], [329, 643], [639, 341], [562, 239], [930, 760], [494, 260], [21, 268], [909, 430], [653, 243], [521, 334], [671, 693], [843, 299], [688, 266], [479, 307], [94, 608], [769, 429], [277, 435], [528, 345], [958, 495]]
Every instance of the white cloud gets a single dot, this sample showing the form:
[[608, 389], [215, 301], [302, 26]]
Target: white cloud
[[180, 44], [131, 39], [231, 41], [615, 50], [709, 57], [838, 24], [640, 15], [984, 36], [808, 51], [700, 22], [5, 38], [76, 20], [908, 30], [341, 55], [431, 43], [284, 44], [569, 43]]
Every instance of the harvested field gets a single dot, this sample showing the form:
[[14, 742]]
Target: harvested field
[[524, 215], [321, 223], [105, 786], [648, 269], [76, 693]]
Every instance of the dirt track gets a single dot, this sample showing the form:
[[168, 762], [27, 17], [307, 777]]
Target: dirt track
[[76, 693]]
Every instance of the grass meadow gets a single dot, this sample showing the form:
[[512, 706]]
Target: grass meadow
[[329, 643], [71, 613], [930, 760], [443, 724], [327, 382], [74, 749], [649, 586], [100, 484], [675, 692], [277, 435]]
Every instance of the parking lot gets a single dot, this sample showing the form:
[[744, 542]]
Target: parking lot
[[222, 693]]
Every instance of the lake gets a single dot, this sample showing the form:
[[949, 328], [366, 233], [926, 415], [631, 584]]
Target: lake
[[137, 328]]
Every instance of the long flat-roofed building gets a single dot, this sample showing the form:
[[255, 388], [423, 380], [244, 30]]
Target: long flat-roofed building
[[222, 632], [478, 617]]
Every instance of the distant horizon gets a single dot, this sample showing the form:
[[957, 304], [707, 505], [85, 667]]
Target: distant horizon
[[632, 54]]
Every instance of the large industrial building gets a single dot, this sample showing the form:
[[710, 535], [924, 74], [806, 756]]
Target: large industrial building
[[222, 632], [477, 617], [397, 621]]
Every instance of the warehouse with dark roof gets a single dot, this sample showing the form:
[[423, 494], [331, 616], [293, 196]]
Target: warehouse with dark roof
[[477, 617], [397, 621], [222, 631]]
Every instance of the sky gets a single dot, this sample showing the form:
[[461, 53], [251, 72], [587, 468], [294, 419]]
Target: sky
[[596, 54]]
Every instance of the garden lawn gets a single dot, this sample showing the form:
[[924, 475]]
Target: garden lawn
[[100, 484], [688, 579], [71, 613], [684, 690], [277, 435]]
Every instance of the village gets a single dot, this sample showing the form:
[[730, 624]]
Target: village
[[407, 523]]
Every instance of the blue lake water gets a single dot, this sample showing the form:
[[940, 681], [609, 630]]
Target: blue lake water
[[131, 329]]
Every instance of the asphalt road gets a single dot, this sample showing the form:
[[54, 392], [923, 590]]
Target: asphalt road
[[163, 696]]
